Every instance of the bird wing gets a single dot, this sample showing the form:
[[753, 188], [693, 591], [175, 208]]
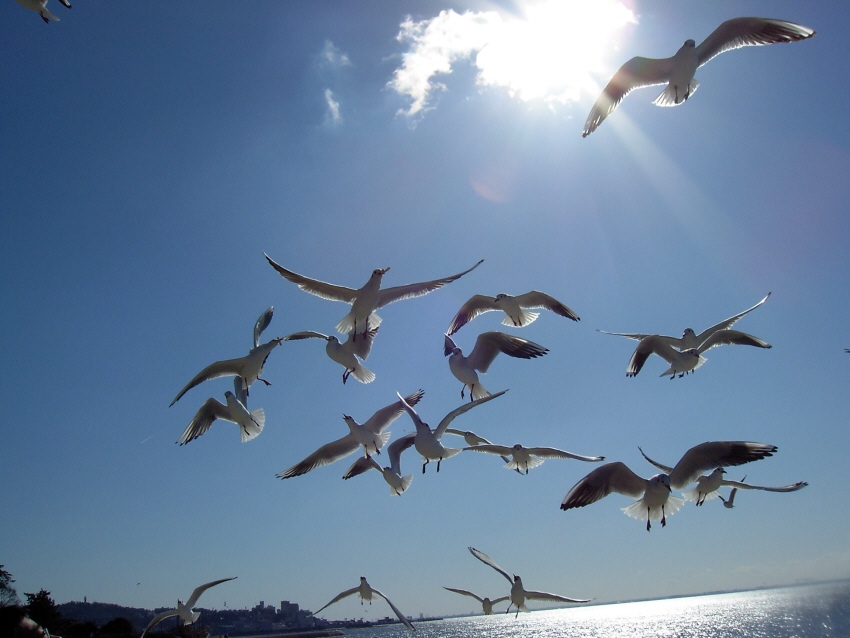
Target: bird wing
[[537, 299], [396, 448], [476, 305], [448, 345], [648, 345], [362, 346], [489, 561], [744, 32], [639, 336], [382, 419], [212, 371], [397, 293], [240, 391], [733, 337], [542, 595], [400, 615], [339, 597], [263, 322], [634, 74], [463, 433], [193, 599], [159, 618], [314, 286], [325, 455], [419, 423], [306, 334], [489, 448], [464, 592], [490, 344], [787, 488], [441, 428], [664, 468], [555, 453], [713, 454], [203, 419], [361, 465], [611, 477], [727, 323]]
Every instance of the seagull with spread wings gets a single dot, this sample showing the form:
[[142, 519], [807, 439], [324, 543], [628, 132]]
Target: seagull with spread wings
[[347, 354], [392, 473], [365, 301], [678, 71], [236, 411], [655, 501], [514, 307], [366, 591], [525, 458], [486, 602], [185, 611]]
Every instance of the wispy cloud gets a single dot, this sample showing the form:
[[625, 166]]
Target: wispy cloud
[[333, 56], [548, 54], [332, 115]]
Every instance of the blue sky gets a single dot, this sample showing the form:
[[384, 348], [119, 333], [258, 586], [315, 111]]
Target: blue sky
[[151, 153]]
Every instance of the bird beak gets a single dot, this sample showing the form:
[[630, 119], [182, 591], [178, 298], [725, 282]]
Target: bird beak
[[384, 271]]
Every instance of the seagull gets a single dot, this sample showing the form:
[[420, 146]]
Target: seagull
[[472, 439], [518, 593], [346, 354], [248, 368], [365, 591], [685, 361], [370, 435], [513, 307], [729, 503], [392, 474], [678, 72], [486, 603], [707, 485], [250, 423], [689, 338], [366, 300], [654, 494], [40, 7], [487, 347], [186, 612], [427, 441], [529, 457]]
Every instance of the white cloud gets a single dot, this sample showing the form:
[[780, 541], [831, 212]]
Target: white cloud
[[333, 56], [549, 54], [332, 115]]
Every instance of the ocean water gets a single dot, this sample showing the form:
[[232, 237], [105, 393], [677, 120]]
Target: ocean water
[[806, 611]]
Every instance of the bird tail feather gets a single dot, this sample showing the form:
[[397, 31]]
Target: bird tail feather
[[255, 426], [525, 318], [363, 374], [670, 94]]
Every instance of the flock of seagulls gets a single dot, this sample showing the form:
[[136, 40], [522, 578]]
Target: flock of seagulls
[[702, 466]]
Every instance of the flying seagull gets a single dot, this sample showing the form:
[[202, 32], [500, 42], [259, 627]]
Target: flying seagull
[[487, 347], [513, 307], [185, 611], [366, 300], [525, 458], [365, 591], [248, 368], [427, 441], [371, 435], [685, 361], [518, 593], [472, 439], [678, 72], [250, 423], [346, 354], [486, 603], [40, 7], [392, 473], [690, 339], [655, 501], [729, 503], [707, 485]]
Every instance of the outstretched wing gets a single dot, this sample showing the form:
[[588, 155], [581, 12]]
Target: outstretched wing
[[489, 561], [325, 455], [727, 323], [490, 344], [306, 334], [396, 448], [203, 419], [745, 32], [263, 322], [537, 299], [397, 293], [193, 599], [542, 595], [664, 468], [713, 454], [611, 477], [212, 371], [159, 618], [475, 305], [441, 428], [339, 597], [464, 592], [555, 453], [382, 419], [400, 615], [360, 466], [731, 337], [314, 286], [746, 486]]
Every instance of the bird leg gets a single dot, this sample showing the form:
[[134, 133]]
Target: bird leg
[[438, 463], [424, 464], [345, 375], [663, 517], [264, 381], [648, 524], [461, 391]]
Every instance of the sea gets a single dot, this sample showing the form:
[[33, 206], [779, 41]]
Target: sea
[[803, 611]]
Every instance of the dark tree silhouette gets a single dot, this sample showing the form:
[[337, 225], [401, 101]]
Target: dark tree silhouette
[[43, 610], [8, 595]]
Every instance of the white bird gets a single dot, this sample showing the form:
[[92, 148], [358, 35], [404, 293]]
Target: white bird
[[525, 458], [729, 503], [678, 71], [392, 473], [518, 593], [689, 338], [472, 439], [40, 7], [250, 423], [366, 300], [685, 361], [248, 368], [185, 611], [654, 494], [371, 435], [486, 603], [427, 441], [707, 485], [487, 347], [365, 591], [513, 307], [346, 354]]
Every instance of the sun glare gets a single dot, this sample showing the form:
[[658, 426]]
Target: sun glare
[[553, 51]]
